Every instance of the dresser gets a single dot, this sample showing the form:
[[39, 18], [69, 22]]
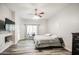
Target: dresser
[[75, 44]]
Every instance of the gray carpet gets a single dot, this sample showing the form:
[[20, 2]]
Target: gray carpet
[[26, 47]]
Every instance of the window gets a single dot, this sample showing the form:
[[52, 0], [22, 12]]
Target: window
[[10, 27], [31, 29]]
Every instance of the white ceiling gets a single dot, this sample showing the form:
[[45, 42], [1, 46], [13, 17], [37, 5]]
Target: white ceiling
[[26, 10]]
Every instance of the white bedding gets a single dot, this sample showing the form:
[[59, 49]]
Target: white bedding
[[46, 40]]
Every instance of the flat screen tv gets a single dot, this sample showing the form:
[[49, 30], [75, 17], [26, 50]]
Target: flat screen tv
[[8, 21], [2, 25]]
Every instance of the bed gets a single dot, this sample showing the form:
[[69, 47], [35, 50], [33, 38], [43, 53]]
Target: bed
[[46, 41]]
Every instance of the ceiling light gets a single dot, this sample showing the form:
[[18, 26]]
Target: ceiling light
[[35, 17]]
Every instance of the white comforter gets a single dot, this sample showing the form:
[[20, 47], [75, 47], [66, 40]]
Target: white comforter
[[46, 39]]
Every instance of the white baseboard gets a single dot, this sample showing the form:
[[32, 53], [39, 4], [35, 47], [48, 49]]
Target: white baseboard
[[70, 50]]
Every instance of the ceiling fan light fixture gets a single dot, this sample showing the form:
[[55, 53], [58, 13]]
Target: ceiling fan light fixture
[[35, 17]]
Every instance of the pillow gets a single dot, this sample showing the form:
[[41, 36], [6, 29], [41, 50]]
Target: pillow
[[54, 36], [48, 34]]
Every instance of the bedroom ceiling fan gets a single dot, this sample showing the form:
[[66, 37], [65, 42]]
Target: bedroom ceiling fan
[[39, 12]]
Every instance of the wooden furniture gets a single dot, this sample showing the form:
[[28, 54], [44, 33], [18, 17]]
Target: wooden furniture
[[75, 44]]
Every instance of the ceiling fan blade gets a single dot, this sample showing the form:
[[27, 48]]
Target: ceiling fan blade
[[42, 13]]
